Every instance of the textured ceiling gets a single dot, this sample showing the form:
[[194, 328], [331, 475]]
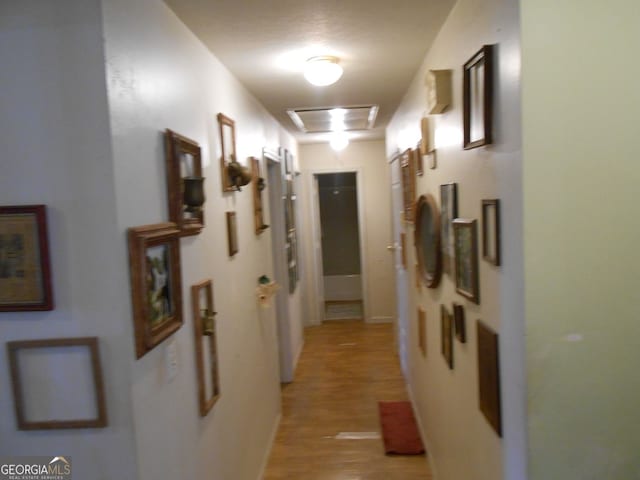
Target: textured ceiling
[[264, 43]]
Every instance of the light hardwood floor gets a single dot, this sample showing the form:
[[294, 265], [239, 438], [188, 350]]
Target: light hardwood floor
[[345, 369]]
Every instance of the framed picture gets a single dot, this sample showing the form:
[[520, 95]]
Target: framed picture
[[44, 372], [448, 212], [418, 161], [185, 183], [424, 145], [489, 376], [156, 285], [466, 258], [427, 240], [446, 334], [228, 146], [25, 273], [206, 349], [491, 231], [478, 98], [422, 331], [232, 233], [459, 323], [407, 168]]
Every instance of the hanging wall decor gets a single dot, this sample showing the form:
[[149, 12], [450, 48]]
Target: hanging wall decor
[[489, 376], [258, 187], [459, 323], [25, 273], [422, 331], [185, 183], [228, 155], [438, 84], [448, 212], [57, 383], [427, 240], [156, 283], [407, 168], [232, 233], [206, 347], [446, 332], [491, 231], [477, 98], [466, 259]]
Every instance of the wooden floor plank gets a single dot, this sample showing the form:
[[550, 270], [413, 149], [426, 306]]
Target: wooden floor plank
[[345, 369]]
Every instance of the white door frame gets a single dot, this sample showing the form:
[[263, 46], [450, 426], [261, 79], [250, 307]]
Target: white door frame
[[273, 165], [317, 272]]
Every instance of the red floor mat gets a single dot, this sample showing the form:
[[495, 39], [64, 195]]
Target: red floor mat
[[399, 429]]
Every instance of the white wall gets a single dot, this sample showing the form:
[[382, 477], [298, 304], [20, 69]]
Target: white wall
[[92, 151], [461, 443], [160, 76], [580, 106], [56, 151], [369, 158]]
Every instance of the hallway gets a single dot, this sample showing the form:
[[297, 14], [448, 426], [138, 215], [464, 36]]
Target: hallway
[[346, 367]]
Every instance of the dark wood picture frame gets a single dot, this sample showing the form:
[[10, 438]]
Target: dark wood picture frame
[[427, 240], [491, 231], [478, 99], [459, 323], [205, 330], [466, 248], [448, 212], [232, 233], [407, 170], [258, 186], [403, 249], [489, 376], [185, 183], [25, 269], [19, 400], [422, 331], [446, 335], [156, 283], [227, 129], [419, 166]]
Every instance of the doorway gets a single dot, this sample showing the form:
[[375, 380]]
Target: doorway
[[275, 190], [340, 245]]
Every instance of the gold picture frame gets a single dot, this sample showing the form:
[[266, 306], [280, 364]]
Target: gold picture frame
[[156, 283], [206, 348]]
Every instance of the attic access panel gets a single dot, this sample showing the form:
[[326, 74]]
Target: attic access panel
[[320, 120]]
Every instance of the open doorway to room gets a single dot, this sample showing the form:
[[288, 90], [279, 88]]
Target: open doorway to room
[[337, 196]]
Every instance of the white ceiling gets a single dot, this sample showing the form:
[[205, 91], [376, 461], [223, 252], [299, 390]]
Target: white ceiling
[[264, 43]]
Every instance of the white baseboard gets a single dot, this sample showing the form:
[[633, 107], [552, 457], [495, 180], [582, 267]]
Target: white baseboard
[[423, 434], [267, 453], [380, 320]]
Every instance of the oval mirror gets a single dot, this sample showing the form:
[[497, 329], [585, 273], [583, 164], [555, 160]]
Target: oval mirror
[[427, 240]]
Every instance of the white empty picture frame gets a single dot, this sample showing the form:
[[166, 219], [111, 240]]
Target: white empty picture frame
[[57, 383]]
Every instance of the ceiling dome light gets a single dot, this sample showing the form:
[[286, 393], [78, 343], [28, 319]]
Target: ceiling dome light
[[322, 71], [339, 141]]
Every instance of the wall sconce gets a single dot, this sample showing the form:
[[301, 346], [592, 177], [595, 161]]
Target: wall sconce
[[193, 194], [207, 316], [238, 175]]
